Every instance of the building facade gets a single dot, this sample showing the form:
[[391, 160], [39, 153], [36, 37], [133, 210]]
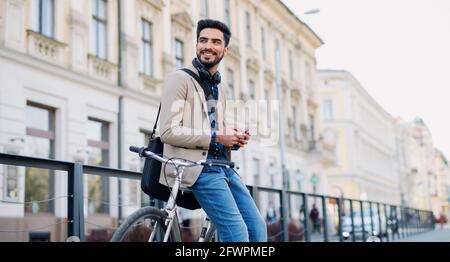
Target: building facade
[[365, 166], [423, 168], [81, 81], [441, 197]]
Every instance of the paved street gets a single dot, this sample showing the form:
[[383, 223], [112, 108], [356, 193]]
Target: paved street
[[438, 235]]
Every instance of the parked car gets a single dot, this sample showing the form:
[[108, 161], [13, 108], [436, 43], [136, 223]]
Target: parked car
[[357, 230]]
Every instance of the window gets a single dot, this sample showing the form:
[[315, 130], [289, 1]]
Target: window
[[312, 143], [248, 28], [263, 42], [99, 29], [98, 186], [267, 97], [204, 8], [277, 55], [336, 154], [308, 75], [291, 66], [179, 53], [39, 142], [295, 123], [11, 183], [256, 177], [230, 90], [251, 90], [147, 48], [256, 171], [328, 109], [46, 17], [228, 13]]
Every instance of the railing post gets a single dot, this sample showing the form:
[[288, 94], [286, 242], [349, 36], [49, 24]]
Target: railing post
[[397, 226], [386, 219], [254, 192], [284, 213], [391, 217], [371, 219], [379, 222], [352, 221], [324, 212], [403, 217], [363, 226], [340, 201], [75, 212], [306, 217], [417, 220]]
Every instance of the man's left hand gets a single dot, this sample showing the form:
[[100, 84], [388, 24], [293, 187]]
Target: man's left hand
[[244, 138]]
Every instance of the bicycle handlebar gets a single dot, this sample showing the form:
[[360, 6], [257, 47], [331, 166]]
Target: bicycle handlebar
[[144, 152]]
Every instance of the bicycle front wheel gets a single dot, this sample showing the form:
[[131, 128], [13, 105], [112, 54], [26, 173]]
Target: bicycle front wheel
[[139, 226]]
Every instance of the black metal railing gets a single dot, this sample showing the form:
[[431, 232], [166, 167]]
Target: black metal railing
[[339, 219]]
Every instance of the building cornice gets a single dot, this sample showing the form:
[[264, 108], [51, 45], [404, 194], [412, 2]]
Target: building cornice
[[158, 4], [81, 79], [357, 86]]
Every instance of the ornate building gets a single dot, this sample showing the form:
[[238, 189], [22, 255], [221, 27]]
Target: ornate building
[[81, 80]]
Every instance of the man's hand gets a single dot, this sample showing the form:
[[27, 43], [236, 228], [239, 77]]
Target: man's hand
[[244, 137], [233, 136], [228, 137]]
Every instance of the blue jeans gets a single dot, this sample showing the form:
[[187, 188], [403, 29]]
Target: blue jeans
[[228, 203]]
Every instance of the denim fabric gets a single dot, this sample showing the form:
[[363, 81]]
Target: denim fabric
[[230, 206]]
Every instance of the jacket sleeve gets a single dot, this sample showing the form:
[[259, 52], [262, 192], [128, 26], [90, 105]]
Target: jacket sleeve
[[173, 103]]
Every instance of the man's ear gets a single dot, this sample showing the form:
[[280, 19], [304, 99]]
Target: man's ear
[[225, 51]]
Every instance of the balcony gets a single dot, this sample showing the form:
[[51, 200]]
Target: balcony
[[102, 69], [46, 48], [253, 64], [151, 85]]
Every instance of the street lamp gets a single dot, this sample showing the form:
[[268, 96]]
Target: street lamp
[[312, 11], [284, 172], [309, 12]]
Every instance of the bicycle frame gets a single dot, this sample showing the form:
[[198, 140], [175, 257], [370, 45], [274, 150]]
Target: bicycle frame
[[171, 209], [171, 206]]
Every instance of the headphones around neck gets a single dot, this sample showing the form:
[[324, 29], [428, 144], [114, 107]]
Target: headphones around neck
[[204, 73]]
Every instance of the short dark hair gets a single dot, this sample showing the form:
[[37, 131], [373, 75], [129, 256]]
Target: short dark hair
[[209, 23]]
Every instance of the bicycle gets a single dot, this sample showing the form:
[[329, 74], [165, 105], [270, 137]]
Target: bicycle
[[161, 225]]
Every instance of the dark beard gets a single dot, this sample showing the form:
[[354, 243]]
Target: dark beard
[[208, 65]]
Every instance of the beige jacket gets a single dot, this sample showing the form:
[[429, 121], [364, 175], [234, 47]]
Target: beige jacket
[[185, 128]]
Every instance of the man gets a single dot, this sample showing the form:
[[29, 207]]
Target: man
[[314, 216], [194, 128]]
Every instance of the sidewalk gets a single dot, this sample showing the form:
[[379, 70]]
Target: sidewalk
[[437, 235]]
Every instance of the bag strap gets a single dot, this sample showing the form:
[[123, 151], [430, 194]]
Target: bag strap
[[202, 84], [156, 122], [205, 88]]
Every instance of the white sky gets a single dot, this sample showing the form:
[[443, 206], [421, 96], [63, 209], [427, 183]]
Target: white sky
[[399, 50]]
